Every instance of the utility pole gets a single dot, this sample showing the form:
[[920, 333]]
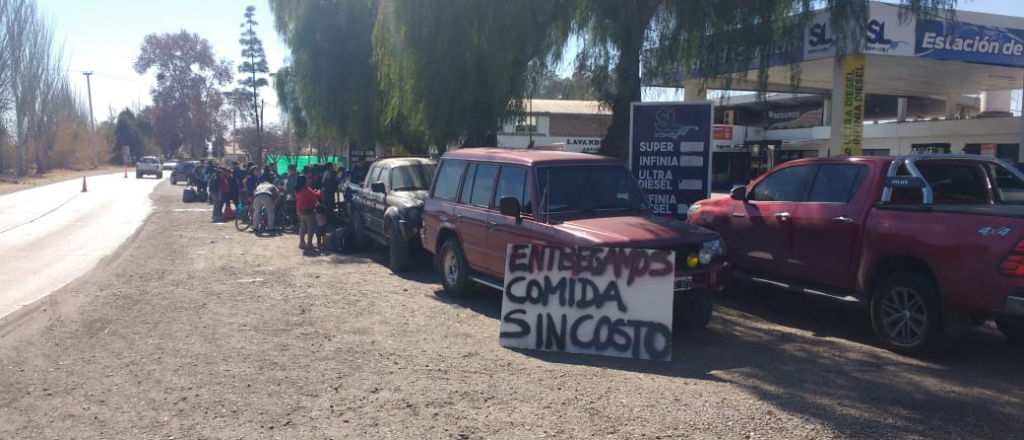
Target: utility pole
[[92, 124]]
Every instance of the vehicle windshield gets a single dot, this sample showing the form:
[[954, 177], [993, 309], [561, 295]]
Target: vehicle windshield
[[148, 160], [587, 188], [412, 177]]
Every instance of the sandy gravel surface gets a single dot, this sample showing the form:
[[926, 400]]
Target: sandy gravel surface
[[193, 330]]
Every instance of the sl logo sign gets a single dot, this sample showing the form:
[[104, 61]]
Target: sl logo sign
[[876, 33], [818, 36]]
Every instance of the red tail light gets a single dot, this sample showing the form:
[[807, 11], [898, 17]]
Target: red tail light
[[1013, 264]]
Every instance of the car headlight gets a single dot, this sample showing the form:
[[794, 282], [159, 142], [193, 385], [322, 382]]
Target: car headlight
[[710, 250], [692, 210]]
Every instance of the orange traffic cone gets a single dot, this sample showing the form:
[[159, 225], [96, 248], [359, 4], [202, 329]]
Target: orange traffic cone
[[126, 173], [83, 184]]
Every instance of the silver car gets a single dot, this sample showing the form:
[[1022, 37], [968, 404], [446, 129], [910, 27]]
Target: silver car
[[148, 165]]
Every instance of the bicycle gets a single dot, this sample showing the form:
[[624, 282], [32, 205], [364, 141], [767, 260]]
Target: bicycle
[[243, 218]]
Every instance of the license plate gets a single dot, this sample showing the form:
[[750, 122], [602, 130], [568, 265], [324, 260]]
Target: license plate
[[683, 283]]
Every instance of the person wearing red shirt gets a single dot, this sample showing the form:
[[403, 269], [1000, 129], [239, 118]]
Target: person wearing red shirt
[[305, 204]]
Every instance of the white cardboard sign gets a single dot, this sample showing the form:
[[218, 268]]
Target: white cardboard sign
[[608, 301]]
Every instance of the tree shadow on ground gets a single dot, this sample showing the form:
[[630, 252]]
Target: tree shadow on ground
[[821, 361]]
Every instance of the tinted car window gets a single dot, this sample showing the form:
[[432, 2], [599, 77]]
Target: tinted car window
[[576, 188], [476, 190], [374, 174], [1009, 187], [383, 177], [411, 177], [446, 185], [837, 183], [512, 183], [785, 185], [956, 183], [149, 160]]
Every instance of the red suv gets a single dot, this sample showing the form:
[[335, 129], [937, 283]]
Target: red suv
[[483, 199]]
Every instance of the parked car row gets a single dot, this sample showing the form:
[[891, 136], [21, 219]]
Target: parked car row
[[480, 200], [929, 245]]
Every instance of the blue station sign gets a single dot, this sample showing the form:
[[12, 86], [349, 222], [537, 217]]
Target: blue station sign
[[670, 153]]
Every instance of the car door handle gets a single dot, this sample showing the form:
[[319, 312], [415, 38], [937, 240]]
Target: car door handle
[[458, 216], [783, 216], [843, 219], [492, 224], [739, 214]]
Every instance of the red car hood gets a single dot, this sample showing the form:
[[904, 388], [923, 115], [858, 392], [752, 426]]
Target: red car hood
[[635, 231]]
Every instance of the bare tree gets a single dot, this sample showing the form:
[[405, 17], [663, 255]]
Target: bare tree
[[35, 93]]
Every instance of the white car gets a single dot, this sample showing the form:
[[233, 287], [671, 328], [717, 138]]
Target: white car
[[148, 165]]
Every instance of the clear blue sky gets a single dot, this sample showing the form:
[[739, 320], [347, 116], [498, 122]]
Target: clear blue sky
[[105, 35]]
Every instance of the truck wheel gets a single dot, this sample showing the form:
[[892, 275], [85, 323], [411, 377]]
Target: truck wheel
[[693, 312], [454, 270], [907, 316], [173, 182], [1012, 327], [398, 248]]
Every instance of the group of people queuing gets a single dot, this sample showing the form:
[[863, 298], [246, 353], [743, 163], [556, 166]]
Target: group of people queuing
[[313, 192]]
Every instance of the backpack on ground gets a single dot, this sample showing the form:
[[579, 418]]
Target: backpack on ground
[[188, 195]]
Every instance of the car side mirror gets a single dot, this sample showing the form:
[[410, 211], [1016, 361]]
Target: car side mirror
[[739, 193], [510, 206], [378, 187]]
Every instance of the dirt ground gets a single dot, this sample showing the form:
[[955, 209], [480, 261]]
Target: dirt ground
[[193, 330], [10, 183]]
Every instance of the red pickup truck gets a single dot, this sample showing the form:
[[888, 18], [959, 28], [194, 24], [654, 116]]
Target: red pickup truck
[[932, 245]]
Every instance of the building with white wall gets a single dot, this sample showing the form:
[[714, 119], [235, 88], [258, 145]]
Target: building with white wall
[[555, 123]]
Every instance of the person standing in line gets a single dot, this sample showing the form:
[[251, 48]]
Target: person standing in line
[[265, 197], [235, 177], [289, 190], [330, 188], [218, 183], [305, 204], [251, 180]]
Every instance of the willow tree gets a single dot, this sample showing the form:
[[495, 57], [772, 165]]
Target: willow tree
[[457, 68], [457, 71], [332, 74]]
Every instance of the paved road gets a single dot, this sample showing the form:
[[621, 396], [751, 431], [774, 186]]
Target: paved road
[[52, 234]]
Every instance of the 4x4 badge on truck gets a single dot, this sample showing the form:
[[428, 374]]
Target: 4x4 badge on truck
[[988, 231]]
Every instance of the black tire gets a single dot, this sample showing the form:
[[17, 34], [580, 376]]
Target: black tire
[[454, 269], [906, 314], [243, 219], [138, 176], [173, 182], [398, 248], [1012, 327], [159, 175], [693, 312]]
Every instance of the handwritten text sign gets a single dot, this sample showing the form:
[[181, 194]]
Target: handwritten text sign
[[615, 302]]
